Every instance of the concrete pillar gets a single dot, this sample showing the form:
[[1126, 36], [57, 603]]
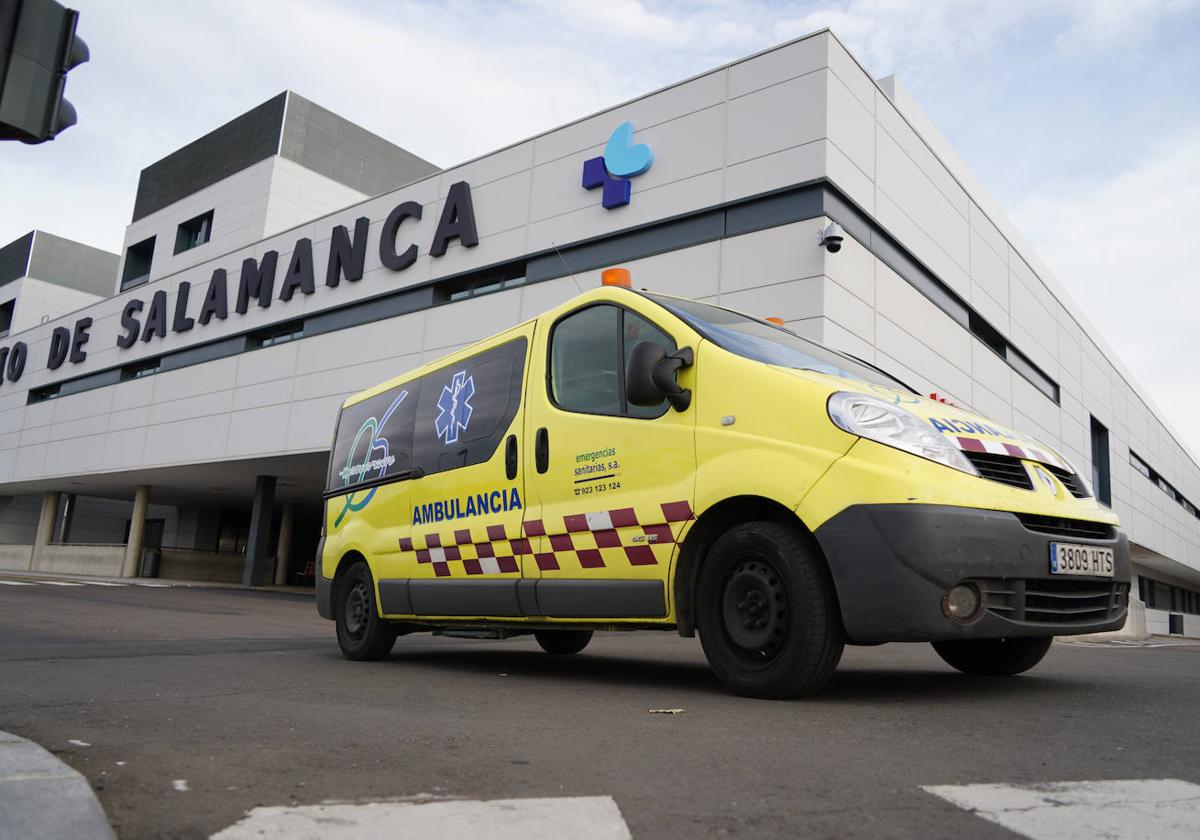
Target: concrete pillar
[[132, 567], [255, 572], [45, 528], [284, 551]]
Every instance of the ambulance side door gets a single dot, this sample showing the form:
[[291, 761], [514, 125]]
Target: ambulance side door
[[611, 485], [467, 496]]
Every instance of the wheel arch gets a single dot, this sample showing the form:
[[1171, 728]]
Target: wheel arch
[[712, 523]]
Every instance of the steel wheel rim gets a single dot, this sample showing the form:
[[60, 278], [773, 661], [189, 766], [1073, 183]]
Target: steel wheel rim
[[754, 610], [357, 611]]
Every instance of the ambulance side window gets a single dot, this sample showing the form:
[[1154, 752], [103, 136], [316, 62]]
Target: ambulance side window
[[588, 353]]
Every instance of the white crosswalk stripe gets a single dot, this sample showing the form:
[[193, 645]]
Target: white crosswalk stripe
[[1165, 809], [579, 817]]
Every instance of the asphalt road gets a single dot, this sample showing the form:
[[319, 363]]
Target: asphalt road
[[186, 707]]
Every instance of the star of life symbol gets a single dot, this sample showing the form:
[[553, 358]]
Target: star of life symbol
[[454, 407]]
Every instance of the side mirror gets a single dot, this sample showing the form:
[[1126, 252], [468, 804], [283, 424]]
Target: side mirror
[[650, 376]]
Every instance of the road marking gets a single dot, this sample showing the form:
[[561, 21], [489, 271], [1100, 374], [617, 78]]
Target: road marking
[[1165, 809], [180, 785], [16, 583], [101, 583], [58, 582], [578, 817]]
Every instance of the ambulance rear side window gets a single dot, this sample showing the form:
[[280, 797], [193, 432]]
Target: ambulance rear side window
[[374, 439]]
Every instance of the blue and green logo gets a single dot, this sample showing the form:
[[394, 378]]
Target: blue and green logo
[[622, 159], [374, 461]]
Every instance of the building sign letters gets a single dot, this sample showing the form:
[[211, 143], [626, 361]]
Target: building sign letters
[[260, 281]]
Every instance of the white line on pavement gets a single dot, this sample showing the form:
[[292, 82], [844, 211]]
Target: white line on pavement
[[102, 583], [15, 583], [578, 817], [1165, 809], [58, 583]]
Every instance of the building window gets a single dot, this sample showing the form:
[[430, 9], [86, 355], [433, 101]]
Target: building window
[[6, 315], [47, 392], [1139, 465], [494, 280], [137, 264], [1101, 482], [139, 369], [193, 232], [278, 334]]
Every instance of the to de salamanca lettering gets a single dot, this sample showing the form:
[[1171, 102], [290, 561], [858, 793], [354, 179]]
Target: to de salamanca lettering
[[497, 501]]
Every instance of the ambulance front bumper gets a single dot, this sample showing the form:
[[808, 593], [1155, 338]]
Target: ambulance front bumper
[[893, 566]]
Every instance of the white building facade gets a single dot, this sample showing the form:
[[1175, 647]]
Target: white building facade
[[202, 396]]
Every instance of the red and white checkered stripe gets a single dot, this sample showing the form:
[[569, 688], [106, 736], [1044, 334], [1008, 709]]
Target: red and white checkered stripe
[[996, 447], [497, 554]]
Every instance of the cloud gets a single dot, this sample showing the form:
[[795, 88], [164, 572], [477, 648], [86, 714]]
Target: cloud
[[1127, 251]]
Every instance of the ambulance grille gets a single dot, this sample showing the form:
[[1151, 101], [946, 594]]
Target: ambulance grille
[[1057, 526], [1061, 602], [1070, 480], [1002, 468]]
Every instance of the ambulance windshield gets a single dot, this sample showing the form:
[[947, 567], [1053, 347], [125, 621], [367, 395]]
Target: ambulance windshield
[[765, 342]]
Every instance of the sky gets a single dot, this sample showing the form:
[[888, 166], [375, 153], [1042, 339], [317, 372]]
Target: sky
[[1081, 117]]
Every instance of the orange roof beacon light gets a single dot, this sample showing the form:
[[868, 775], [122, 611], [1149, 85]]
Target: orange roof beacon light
[[776, 321], [616, 277]]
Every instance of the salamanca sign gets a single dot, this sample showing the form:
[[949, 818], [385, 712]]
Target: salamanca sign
[[261, 281]]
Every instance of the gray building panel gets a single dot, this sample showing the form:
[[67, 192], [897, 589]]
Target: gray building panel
[[72, 264], [320, 140], [242, 141], [14, 258]]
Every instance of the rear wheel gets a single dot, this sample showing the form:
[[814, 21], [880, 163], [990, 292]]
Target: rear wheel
[[361, 633], [563, 642], [993, 657], [767, 612]]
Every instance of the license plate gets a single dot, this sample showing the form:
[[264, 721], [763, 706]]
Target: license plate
[[1071, 559]]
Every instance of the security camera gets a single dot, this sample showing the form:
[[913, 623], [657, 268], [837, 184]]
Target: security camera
[[831, 236]]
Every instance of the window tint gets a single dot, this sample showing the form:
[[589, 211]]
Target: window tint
[[465, 408], [585, 360], [589, 354], [374, 438]]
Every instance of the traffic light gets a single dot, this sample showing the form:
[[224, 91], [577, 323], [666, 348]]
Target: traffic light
[[38, 46]]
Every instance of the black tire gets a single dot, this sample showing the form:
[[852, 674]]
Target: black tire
[[362, 634], [562, 642], [767, 613], [994, 657]]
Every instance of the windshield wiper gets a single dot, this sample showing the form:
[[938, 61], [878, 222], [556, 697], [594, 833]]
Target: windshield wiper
[[878, 369]]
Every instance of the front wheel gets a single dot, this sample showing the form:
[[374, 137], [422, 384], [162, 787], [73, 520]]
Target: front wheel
[[562, 642], [993, 657], [361, 633], [767, 613]]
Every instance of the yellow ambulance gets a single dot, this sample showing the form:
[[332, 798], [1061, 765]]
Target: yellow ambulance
[[631, 460]]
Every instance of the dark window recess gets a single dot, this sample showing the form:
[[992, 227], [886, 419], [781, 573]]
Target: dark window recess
[[137, 264], [1163, 596], [988, 334], [1139, 465], [482, 283], [277, 334], [137, 370], [46, 392], [194, 232], [6, 315], [1162, 484], [1101, 480]]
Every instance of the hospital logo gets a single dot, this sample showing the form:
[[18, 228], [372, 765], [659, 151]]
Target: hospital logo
[[622, 159], [454, 407]]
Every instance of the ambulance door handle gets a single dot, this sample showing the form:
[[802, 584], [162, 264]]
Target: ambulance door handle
[[510, 457], [541, 450]]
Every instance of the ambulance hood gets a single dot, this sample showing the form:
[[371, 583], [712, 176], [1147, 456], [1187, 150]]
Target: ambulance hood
[[966, 430]]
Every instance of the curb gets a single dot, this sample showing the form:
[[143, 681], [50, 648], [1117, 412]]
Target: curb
[[42, 797]]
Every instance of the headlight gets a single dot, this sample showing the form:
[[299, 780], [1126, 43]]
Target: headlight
[[882, 422]]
